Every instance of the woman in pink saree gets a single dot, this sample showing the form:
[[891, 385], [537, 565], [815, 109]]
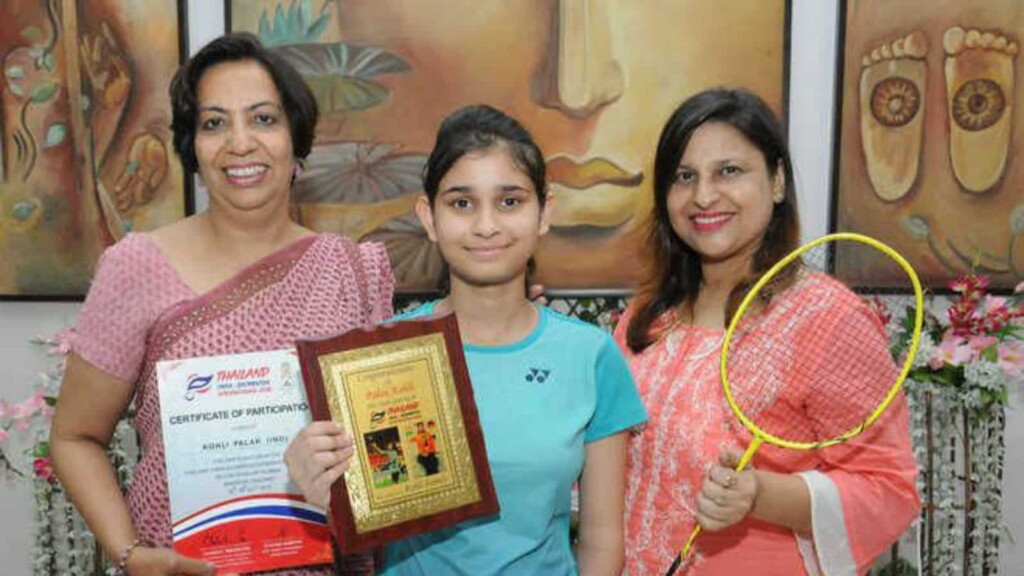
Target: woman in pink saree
[[240, 277]]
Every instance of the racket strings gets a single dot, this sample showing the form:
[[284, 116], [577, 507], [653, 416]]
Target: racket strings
[[811, 364]]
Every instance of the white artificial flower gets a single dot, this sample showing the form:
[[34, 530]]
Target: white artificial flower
[[985, 375]]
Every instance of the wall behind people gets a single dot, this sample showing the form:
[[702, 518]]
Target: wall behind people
[[811, 115]]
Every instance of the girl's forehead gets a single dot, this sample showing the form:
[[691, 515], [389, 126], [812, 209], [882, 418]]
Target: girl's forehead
[[487, 164]]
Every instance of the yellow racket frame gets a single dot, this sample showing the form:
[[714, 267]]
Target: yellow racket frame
[[760, 436]]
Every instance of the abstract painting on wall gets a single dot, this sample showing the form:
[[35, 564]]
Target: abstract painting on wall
[[85, 148], [593, 81], [928, 131]]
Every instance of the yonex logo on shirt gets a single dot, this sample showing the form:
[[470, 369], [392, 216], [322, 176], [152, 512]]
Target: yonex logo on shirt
[[538, 375]]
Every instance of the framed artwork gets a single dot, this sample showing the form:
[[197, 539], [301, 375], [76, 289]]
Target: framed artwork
[[85, 143], [593, 81], [927, 132]]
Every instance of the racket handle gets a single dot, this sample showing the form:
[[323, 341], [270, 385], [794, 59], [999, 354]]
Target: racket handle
[[685, 553], [755, 443], [675, 565]]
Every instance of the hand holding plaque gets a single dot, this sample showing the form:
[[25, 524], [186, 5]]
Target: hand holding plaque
[[403, 393]]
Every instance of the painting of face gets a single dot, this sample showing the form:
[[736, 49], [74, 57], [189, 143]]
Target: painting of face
[[593, 81], [929, 130], [85, 149]]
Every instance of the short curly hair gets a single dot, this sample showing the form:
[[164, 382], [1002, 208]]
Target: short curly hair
[[298, 101]]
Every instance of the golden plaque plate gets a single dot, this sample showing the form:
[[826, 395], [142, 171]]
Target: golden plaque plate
[[402, 391]]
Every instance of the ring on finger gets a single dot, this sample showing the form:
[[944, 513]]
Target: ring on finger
[[730, 480]]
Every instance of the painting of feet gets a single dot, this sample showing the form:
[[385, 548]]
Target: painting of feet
[[593, 80], [927, 158], [85, 152]]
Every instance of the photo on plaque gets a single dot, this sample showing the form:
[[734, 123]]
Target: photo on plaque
[[402, 391], [386, 458]]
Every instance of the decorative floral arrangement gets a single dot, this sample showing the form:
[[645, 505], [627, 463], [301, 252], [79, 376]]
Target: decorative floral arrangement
[[976, 348], [63, 543], [28, 422], [971, 354]]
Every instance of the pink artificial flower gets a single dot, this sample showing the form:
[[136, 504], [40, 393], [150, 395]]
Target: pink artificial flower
[[876, 304], [22, 425], [63, 340], [4, 435], [960, 285], [979, 343], [995, 305], [953, 351], [614, 316], [1011, 357], [43, 469], [23, 410]]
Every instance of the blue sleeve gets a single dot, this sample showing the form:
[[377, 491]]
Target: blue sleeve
[[617, 405]]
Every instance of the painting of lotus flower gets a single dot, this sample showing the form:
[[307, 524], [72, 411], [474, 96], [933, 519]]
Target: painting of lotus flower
[[592, 80], [85, 147]]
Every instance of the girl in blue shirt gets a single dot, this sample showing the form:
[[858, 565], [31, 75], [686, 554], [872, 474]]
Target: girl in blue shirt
[[554, 395]]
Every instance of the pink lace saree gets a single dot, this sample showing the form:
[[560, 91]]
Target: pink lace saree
[[139, 312]]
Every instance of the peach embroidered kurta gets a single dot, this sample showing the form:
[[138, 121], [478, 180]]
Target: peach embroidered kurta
[[863, 492]]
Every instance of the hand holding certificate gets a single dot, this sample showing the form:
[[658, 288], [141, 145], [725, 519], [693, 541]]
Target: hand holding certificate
[[403, 393], [226, 421]]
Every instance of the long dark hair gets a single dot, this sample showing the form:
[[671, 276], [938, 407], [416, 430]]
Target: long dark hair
[[481, 127], [674, 272]]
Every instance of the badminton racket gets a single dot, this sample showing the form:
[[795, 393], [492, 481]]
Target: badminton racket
[[802, 360]]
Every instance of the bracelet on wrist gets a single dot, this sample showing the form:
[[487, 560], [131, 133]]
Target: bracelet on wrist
[[122, 560]]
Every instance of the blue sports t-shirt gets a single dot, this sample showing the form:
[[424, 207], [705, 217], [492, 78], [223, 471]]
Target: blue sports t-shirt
[[540, 401]]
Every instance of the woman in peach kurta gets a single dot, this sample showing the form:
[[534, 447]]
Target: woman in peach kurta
[[725, 211]]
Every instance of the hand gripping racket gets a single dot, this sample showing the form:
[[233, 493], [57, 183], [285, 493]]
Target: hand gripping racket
[[805, 363]]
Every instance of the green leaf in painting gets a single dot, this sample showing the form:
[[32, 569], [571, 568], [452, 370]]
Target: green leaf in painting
[[318, 27], [55, 135], [32, 34], [341, 94], [264, 29], [305, 14], [359, 173], [339, 73], [22, 211], [341, 59], [43, 92], [280, 25], [294, 25]]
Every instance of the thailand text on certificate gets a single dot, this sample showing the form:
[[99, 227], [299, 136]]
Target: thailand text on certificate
[[226, 423]]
